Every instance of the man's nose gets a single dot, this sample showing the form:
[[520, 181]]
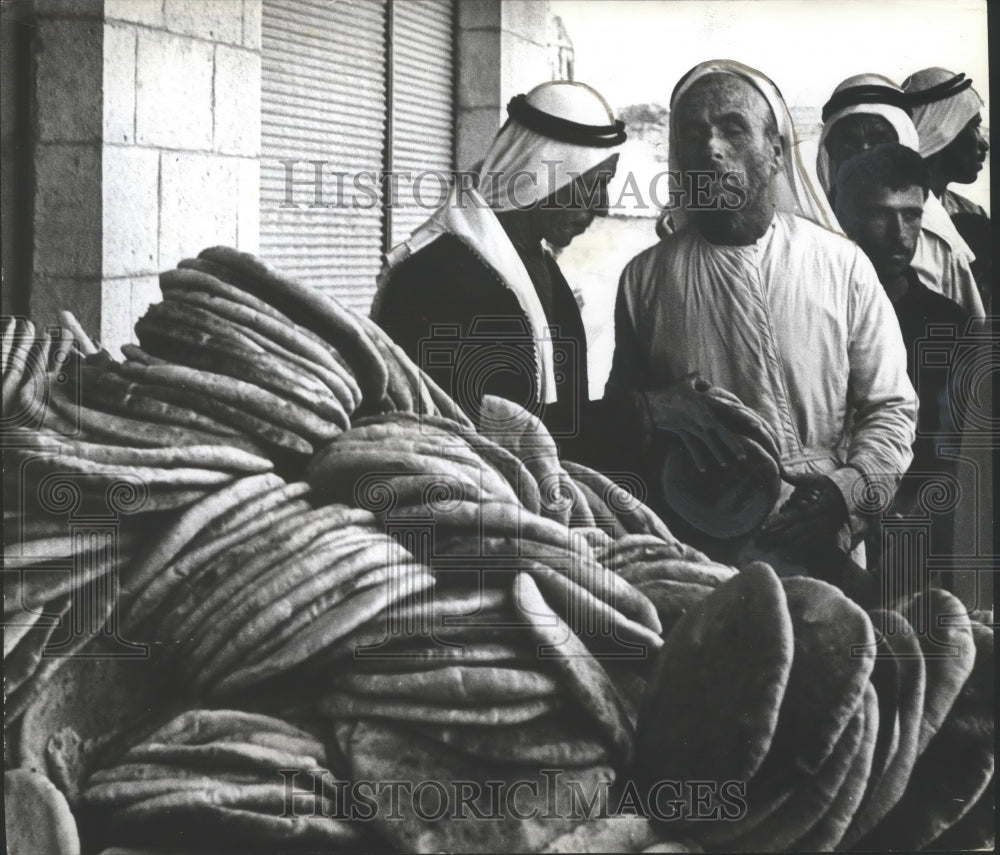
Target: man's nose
[[984, 143], [715, 146]]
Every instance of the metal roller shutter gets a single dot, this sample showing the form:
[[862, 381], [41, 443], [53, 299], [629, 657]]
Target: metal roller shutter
[[421, 131], [323, 100]]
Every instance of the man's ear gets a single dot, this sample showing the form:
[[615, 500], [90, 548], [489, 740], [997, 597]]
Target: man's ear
[[777, 152]]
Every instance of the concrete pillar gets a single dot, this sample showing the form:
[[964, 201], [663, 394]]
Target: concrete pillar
[[148, 139], [502, 51]]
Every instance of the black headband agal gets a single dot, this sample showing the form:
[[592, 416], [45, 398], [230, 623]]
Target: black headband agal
[[958, 83], [564, 130], [867, 94]]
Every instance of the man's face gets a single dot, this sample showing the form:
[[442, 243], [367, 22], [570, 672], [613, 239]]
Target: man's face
[[885, 223], [723, 124], [963, 157], [569, 211], [854, 134]]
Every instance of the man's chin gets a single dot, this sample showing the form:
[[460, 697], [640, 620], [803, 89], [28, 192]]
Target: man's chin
[[891, 268]]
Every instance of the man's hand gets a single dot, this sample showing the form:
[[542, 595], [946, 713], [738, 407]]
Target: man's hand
[[679, 411], [809, 520]]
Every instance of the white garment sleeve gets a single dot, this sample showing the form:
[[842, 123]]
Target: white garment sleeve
[[881, 396]]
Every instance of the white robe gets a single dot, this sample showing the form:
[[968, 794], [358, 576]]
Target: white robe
[[798, 326]]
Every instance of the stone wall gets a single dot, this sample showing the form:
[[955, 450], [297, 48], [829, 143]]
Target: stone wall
[[502, 51], [146, 150]]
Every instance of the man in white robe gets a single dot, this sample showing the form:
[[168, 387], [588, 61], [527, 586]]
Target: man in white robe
[[782, 311]]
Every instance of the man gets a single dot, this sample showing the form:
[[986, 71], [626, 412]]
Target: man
[[880, 197], [948, 118], [782, 312], [867, 110], [475, 298]]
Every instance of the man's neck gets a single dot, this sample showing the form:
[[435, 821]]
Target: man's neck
[[896, 287], [518, 226], [736, 228], [939, 181]]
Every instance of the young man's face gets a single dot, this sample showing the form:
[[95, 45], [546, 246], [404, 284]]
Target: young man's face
[[854, 134], [724, 125], [963, 157], [885, 223]]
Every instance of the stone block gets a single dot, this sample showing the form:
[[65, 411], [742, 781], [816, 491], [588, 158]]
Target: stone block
[[198, 196], [130, 210], [525, 65], [68, 77], [479, 68], [479, 14], [67, 215], [93, 9], [119, 84], [149, 12], [237, 101], [145, 292], [248, 210], [474, 132], [81, 296], [527, 20], [214, 20], [116, 314], [174, 91], [252, 10]]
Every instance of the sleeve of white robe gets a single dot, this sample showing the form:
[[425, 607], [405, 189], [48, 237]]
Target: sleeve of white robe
[[881, 396]]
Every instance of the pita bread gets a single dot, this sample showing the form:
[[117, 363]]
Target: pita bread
[[711, 705], [455, 684], [673, 599], [954, 770], [885, 790], [833, 638], [174, 820], [722, 507], [344, 705], [829, 830], [37, 816], [977, 829], [814, 793], [941, 623], [551, 739], [583, 678], [382, 752]]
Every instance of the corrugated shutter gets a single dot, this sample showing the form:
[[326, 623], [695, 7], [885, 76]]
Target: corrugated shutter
[[323, 99], [422, 109]]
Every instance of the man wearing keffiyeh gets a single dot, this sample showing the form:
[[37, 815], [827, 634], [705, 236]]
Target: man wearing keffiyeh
[[948, 118], [476, 279], [766, 300], [867, 110]]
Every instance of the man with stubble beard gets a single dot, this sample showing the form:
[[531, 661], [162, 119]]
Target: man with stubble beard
[[755, 293]]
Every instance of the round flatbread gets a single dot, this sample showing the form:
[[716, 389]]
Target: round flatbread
[[977, 829], [673, 599], [37, 816], [526, 816], [834, 657], [814, 794], [457, 684], [955, 768], [829, 830], [173, 821], [711, 705], [886, 789], [554, 740], [942, 626]]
